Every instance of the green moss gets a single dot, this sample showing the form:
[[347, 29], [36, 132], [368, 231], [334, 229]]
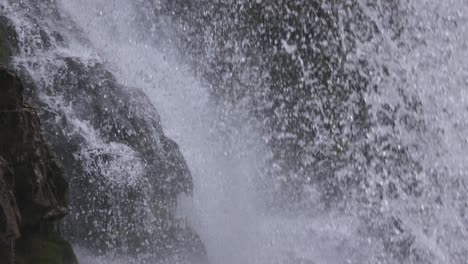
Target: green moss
[[41, 249]]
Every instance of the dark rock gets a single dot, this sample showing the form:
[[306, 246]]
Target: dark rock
[[7, 40], [9, 213], [123, 115], [39, 186], [41, 249], [32, 187], [11, 91], [125, 173]]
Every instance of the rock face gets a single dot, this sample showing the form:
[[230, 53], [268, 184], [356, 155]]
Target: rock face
[[9, 212], [125, 174], [42, 249], [7, 37], [32, 187]]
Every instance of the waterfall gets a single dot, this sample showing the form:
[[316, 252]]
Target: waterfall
[[225, 158], [409, 202]]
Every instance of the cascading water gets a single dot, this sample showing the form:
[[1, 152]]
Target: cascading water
[[434, 71], [225, 158], [419, 75]]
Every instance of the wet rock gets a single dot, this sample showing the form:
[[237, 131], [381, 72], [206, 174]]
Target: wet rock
[[189, 245], [32, 187], [9, 213], [39, 186], [41, 249], [125, 173], [7, 40], [11, 91]]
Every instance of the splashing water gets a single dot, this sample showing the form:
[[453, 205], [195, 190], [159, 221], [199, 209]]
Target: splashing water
[[225, 158], [226, 153], [428, 63]]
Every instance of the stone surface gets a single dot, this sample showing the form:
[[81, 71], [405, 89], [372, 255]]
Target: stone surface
[[125, 174], [9, 212], [39, 186], [7, 40], [32, 187], [41, 249]]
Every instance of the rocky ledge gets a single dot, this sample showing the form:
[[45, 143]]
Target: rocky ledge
[[33, 190]]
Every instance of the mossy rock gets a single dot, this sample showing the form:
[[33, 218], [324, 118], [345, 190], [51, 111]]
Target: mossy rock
[[40, 249]]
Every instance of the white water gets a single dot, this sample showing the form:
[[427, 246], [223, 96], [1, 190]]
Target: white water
[[430, 63], [225, 158], [225, 154]]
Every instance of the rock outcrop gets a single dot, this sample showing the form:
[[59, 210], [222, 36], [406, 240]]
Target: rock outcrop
[[33, 189], [112, 145], [125, 174]]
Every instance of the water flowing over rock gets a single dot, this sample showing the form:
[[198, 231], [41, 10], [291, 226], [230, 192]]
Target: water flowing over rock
[[121, 158], [33, 187], [310, 131], [332, 92], [38, 182], [125, 174], [293, 65]]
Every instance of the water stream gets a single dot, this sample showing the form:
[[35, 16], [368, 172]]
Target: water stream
[[226, 152]]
